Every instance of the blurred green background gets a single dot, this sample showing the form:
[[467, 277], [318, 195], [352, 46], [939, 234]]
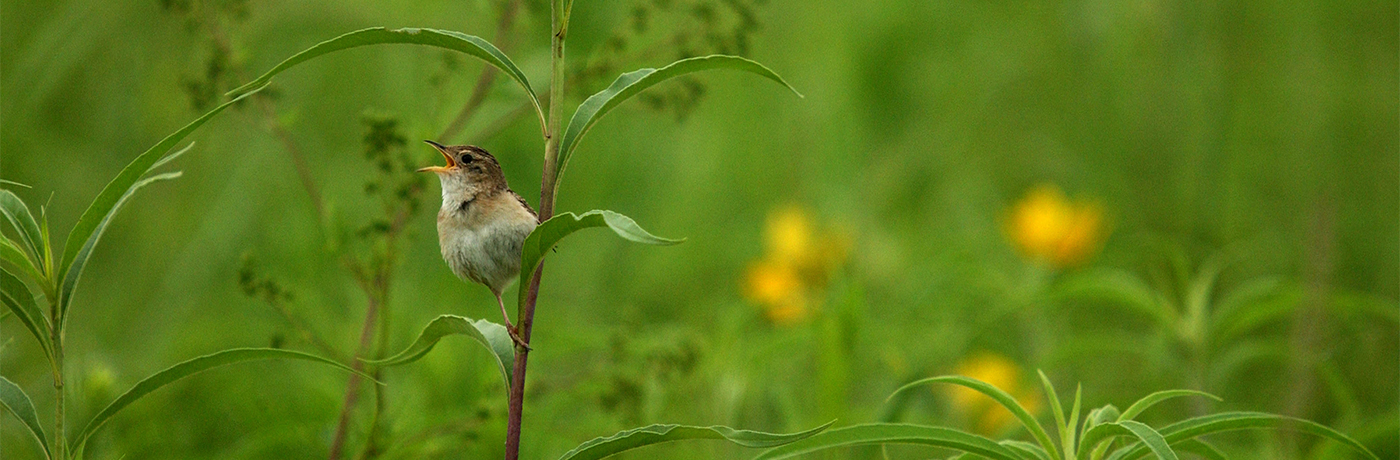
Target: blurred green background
[[1241, 155]]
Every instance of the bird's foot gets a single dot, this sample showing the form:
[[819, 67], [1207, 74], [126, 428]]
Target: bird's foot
[[515, 336]]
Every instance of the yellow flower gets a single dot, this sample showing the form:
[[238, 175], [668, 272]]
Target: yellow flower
[[777, 287], [796, 266], [1047, 227], [987, 415]]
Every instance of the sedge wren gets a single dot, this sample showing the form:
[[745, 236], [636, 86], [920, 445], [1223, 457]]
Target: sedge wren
[[483, 223]]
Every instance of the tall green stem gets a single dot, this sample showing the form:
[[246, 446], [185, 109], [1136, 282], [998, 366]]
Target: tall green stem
[[60, 438], [525, 314]]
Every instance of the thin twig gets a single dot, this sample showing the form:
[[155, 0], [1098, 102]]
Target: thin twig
[[488, 75]]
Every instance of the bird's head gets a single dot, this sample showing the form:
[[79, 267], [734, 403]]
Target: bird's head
[[468, 166]]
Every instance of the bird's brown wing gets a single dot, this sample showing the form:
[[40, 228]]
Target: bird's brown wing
[[523, 203]]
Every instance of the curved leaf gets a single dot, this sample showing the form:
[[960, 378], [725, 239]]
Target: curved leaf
[[1154, 398], [893, 433], [1231, 421], [657, 434], [18, 215], [14, 399], [90, 225], [631, 83], [547, 234], [12, 254], [75, 271], [1058, 411], [17, 297], [1027, 450], [191, 367], [446, 39], [1201, 449], [1145, 434], [493, 336], [1001, 397]]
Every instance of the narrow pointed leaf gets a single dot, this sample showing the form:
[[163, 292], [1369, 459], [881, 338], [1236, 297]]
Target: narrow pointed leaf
[[89, 227], [1201, 449], [79, 262], [1152, 399], [20, 301], [1027, 450], [893, 433], [657, 434], [446, 39], [12, 254], [1232, 421], [549, 233], [191, 367], [493, 336], [1001, 397], [1056, 409], [631, 83], [18, 215], [1128, 428], [19, 404]]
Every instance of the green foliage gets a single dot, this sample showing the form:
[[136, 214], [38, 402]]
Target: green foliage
[[632, 83], [656, 434], [490, 335], [893, 433], [550, 232], [19, 404], [456, 41]]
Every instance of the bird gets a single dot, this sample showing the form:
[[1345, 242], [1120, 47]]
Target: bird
[[482, 224]]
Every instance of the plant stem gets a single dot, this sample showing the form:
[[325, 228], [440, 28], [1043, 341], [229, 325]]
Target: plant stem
[[60, 439], [352, 389], [526, 312]]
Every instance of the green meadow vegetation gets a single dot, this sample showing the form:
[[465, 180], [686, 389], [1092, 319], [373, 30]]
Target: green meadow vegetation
[[891, 230]]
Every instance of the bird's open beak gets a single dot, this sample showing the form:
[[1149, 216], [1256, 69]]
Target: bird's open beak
[[443, 150]]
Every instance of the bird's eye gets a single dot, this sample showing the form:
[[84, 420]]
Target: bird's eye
[[466, 159]]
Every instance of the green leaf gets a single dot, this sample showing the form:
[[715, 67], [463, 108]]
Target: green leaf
[[1154, 398], [1121, 288], [1001, 397], [1231, 421], [657, 434], [17, 297], [14, 399], [1058, 411], [893, 433], [1144, 433], [11, 253], [493, 336], [88, 230], [75, 271], [1028, 451], [191, 367], [18, 215], [446, 39], [546, 235], [631, 83], [1201, 449]]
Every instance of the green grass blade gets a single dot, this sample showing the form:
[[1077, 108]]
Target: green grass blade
[[1127, 428], [191, 367], [19, 404], [1152, 399], [89, 227], [20, 301], [493, 336], [1001, 397], [456, 41], [893, 433], [1232, 421], [79, 262], [1027, 450], [12, 254], [1057, 410], [1073, 442], [1201, 449], [632, 83], [17, 214], [657, 434], [549, 233]]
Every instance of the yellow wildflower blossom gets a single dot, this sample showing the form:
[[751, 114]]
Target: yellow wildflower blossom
[[1046, 226], [796, 266], [988, 416]]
